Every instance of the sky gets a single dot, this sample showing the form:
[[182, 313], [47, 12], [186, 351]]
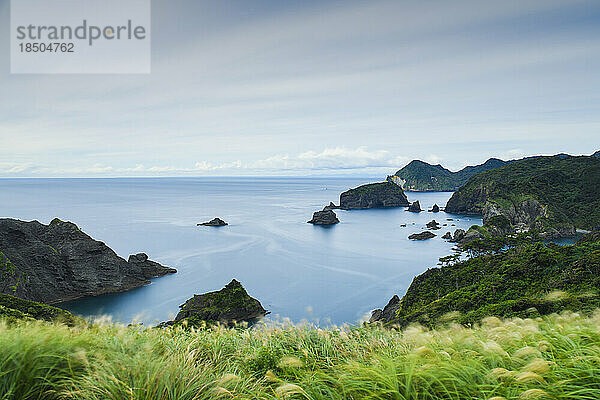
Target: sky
[[273, 87]]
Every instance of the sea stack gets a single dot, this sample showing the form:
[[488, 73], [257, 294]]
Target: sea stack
[[325, 217], [415, 207]]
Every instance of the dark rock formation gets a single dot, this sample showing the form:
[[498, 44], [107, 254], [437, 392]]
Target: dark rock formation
[[472, 234], [459, 234], [433, 224], [388, 313], [402, 225], [325, 217], [447, 236], [422, 236], [214, 222], [149, 268], [58, 262], [228, 306], [415, 207], [435, 208], [331, 206], [374, 195]]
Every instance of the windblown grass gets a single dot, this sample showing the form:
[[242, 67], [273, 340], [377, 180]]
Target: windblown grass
[[555, 357]]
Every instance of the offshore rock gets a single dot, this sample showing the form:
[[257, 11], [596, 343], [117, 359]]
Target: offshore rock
[[415, 207], [228, 306], [374, 195], [214, 222], [422, 236], [433, 224], [325, 217]]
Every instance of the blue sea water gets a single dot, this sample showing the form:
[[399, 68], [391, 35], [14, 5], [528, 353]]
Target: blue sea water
[[297, 270]]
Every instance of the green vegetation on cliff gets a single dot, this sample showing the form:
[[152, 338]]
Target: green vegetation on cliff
[[13, 308], [559, 192], [527, 279], [423, 177], [374, 195], [228, 306]]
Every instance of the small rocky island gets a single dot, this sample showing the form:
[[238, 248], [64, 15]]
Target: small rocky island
[[415, 207], [434, 225], [373, 195], [214, 222], [58, 262], [422, 236], [325, 217], [228, 306]]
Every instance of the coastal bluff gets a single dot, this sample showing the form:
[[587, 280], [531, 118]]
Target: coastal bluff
[[59, 262]]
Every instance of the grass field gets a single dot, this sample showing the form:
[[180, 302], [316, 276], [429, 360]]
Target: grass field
[[554, 357]]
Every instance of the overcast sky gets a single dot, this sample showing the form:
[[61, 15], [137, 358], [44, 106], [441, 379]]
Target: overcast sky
[[246, 87]]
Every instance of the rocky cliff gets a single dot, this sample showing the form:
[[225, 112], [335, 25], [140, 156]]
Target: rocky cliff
[[374, 195], [552, 195], [58, 262]]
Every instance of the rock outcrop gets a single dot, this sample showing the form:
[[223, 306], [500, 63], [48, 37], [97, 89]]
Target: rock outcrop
[[214, 222], [415, 207], [331, 206], [388, 313], [422, 236], [374, 195], [447, 236], [459, 234], [435, 208], [58, 262], [228, 306], [325, 217], [433, 224]]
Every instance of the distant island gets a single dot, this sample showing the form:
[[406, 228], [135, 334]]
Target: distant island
[[419, 176]]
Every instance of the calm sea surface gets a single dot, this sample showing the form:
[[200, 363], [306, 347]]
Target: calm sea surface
[[296, 270]]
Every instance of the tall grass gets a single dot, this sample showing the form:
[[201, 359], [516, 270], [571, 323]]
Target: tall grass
[[555, 357]]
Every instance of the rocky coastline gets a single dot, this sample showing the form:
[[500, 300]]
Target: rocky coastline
[[58, 262]]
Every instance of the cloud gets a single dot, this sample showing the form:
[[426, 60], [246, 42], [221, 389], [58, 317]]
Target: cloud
[[277, 87], [334, 159]]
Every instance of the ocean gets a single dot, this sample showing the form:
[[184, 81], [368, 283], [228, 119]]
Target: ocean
[[323, 275]]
